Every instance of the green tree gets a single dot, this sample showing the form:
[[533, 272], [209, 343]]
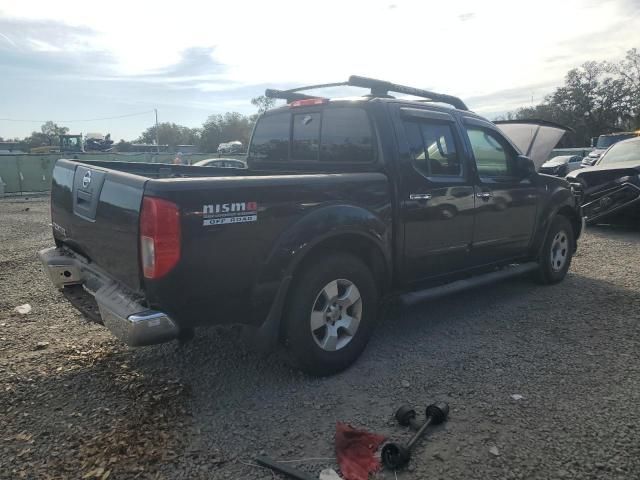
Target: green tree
[[628, 70], [123, 146], [224, 128], [49, 135], [170, 134], [596, 98], [52, 131], [263, 103]]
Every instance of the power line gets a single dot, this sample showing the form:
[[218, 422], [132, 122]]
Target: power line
[[72, 121]]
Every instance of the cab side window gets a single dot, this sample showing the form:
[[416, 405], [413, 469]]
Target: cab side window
[[493, 155], [347, 136], [433, 148]]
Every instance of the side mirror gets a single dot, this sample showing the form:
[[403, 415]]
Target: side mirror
[[525, 166]]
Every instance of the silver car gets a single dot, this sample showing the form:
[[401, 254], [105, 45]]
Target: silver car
[[561, 165]]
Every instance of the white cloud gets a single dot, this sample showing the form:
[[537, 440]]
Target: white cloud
[[464, 45], [467, 48], [7, 39], [40, 46]]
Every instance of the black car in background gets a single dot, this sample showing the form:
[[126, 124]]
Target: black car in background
[[611, 189]]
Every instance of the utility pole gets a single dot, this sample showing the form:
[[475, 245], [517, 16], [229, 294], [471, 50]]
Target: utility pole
[[157, 132]]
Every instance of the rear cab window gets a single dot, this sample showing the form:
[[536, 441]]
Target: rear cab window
[[329, 135]]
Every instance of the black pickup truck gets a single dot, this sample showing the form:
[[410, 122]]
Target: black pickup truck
[[346, 202]]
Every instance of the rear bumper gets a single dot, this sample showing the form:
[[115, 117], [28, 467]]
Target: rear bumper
[[122, 312]]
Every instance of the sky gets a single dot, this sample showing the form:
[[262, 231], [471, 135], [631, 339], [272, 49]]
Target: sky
[[75, 61]]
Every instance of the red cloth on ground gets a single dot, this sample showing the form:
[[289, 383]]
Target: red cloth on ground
[[355, 450]]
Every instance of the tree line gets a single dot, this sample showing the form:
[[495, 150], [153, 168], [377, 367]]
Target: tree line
[[215, 130], [596, 98], [48, 135]]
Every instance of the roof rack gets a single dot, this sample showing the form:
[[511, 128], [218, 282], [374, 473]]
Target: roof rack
[[379, 88]]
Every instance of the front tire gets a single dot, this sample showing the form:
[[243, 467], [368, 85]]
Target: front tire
[[557, 251], [331, 314]]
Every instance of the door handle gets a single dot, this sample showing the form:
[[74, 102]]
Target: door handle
[[484, 195], [420, 196]]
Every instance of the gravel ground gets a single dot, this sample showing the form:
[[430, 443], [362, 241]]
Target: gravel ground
[[74, 403]]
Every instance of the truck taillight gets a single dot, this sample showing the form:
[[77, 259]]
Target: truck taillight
[[159, 236]]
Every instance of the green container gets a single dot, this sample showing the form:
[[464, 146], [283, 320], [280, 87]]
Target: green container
[[32, 172], [9, 173], [35, 172]]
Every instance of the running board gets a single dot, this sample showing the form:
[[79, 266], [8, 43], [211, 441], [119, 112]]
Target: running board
[[412, 298]]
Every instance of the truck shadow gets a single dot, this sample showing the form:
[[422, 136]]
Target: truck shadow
[[217, 400], [427, 352], [220, 359]]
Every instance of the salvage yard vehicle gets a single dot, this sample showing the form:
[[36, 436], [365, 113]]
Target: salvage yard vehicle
[[346, 202], [603, 143], [611, 189], [561, 165], [231, 147]]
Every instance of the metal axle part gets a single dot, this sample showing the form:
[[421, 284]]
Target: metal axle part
[[395, 455]]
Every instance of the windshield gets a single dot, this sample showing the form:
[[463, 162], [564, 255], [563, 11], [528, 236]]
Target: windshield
[[622, 152], [605, 141]]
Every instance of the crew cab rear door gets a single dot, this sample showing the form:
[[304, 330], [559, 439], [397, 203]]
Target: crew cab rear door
[[436, 193], [506, 199]]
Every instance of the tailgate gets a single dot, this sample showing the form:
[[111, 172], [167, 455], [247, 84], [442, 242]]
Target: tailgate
[[94, 211]]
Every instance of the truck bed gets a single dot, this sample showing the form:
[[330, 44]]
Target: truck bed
[[229, 269], [167, 170]]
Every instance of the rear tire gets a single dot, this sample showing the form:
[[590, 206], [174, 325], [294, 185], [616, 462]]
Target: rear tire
[[557, 251], [331, 314]]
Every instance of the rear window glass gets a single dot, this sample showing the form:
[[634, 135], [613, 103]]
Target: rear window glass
[[306, 136], [346, 136], [271, 138], [339, 135]]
